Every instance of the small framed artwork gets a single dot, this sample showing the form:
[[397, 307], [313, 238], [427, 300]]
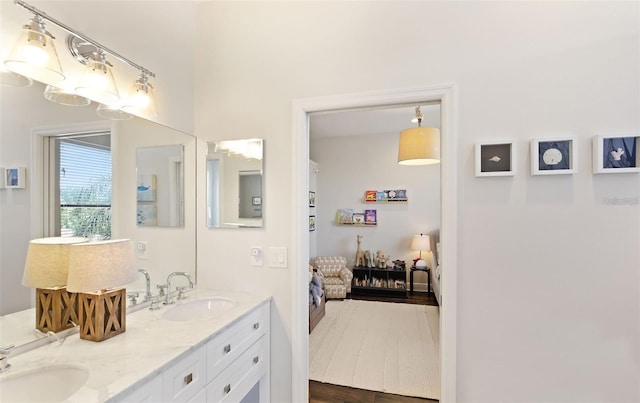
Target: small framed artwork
[[312, 223], [553, 156], [146, 187], [13, 178], [495, 158], [256, 201], [616, 154], [312, 199]]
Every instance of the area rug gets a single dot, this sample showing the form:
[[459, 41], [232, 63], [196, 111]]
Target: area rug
[[380, 346]]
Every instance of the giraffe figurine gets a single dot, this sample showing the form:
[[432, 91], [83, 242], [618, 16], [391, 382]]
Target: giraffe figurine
[[359, 254]]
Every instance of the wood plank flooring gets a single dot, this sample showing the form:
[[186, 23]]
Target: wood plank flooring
[[327, 393]]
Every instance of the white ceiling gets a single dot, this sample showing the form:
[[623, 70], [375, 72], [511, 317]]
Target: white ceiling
[[371, 121]]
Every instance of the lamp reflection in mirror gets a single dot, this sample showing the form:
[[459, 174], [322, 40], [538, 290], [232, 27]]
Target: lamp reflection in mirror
[[46, 269], [64, 96], [95, 269], [419, 145], [34, 54], [112, 112], [421, 243]]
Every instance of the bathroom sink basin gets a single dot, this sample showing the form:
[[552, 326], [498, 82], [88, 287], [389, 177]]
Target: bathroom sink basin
[[53, 383], [198, 309]]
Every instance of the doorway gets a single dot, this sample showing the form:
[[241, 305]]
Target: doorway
[[300, 252]]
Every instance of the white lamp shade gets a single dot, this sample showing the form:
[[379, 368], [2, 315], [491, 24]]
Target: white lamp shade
[[419, 146], [47, 262], [64, 96], [141, 99], [421, 243], [95, 266], [97, 83]]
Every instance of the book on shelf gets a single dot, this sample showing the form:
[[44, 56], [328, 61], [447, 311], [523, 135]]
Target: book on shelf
[[370, 196], [345, 216], [396, 195], [370, 217], [358, 218]]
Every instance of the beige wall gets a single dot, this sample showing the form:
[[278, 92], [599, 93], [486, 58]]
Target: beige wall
[[548, 286]]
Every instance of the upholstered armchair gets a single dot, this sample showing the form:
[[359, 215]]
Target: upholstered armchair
[[336, 276]]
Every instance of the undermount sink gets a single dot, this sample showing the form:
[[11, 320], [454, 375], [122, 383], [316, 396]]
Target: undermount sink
[[198, 309], [53, 383]]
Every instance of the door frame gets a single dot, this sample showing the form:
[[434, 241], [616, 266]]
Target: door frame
[[301, 109]]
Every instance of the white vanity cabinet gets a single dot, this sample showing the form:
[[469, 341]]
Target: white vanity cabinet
[[224, 368]]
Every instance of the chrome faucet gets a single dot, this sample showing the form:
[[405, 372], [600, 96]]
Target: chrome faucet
[[4, 355], [167, 299], [147, 295]]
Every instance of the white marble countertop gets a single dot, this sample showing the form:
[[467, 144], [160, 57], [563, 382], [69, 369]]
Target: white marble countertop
[[149, 344]]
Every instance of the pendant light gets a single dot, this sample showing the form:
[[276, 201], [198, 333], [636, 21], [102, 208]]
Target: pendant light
[[97, 81], [141, 97], [34, 54], [419, 145]]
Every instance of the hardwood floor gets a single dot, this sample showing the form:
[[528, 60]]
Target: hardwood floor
[[327, 393]]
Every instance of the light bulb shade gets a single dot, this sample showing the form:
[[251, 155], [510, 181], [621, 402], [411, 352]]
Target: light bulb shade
[[112, 112], [64, 96], [141, 98], [11, 79], [421, 242], [47, 262], [100, 265], [97, 83], [34, 54], [419, 146]]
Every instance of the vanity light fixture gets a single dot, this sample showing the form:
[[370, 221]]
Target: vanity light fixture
[[34, 54], [422, 243], [97, 82], [64, 96], [38, 60], [141, 97], [95, 269], [419, 145], [46, 270]]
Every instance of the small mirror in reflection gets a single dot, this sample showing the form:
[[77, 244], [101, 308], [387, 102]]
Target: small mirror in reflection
[[160, 186], [234, 183]]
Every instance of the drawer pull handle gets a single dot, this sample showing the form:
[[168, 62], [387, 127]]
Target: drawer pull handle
[[188, 379], [227, 389], [256, 325], [256, 359], [227, 348]]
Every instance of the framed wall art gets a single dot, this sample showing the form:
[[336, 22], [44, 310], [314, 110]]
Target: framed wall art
[[312, 199], [312, 223], [495, 158], [616, 154], [13, 178], [553, 156]]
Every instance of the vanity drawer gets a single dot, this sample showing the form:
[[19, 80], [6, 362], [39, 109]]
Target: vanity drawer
[[229, 385], [186, 378], [230, 343]]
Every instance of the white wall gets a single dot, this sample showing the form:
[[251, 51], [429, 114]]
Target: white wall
[[350, 165], [548, 297]]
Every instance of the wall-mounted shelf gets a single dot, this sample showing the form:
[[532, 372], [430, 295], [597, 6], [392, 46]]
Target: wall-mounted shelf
[[397, 196], [369, 218]]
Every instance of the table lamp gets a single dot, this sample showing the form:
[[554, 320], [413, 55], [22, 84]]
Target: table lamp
[[46, 270], [95, 268], [422, 243]]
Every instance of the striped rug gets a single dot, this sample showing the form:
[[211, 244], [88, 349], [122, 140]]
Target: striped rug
[[380, 346]]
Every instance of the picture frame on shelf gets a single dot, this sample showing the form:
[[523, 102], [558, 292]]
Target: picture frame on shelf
[[13, 178], [555, 156], [616, 153], [312, 199], [495, 158], [312, 223]]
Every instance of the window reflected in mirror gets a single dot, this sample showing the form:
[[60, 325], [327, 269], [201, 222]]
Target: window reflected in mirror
[[235, 183]]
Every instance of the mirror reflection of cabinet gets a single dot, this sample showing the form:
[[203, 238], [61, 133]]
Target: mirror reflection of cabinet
[[235, 183]]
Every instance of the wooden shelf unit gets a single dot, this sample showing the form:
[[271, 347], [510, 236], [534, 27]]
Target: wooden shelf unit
[[376, 281]]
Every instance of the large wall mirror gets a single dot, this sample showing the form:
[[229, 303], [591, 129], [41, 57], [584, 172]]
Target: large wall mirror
[[235, 183], [136, 145]]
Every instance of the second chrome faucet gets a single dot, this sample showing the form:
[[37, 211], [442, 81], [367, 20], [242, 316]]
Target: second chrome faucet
[[167, 299]]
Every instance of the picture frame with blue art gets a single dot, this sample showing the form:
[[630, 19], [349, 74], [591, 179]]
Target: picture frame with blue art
[[616, 153]]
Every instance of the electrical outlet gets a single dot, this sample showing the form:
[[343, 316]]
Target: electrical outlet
[[256, 256], [142, 250]]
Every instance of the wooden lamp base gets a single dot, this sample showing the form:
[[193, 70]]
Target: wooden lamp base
[[56, 309], [102, 315]]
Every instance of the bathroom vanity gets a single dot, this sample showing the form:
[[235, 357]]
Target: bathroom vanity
[[209, 347]]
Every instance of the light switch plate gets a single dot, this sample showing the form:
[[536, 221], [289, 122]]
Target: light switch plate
[[278, 257]]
